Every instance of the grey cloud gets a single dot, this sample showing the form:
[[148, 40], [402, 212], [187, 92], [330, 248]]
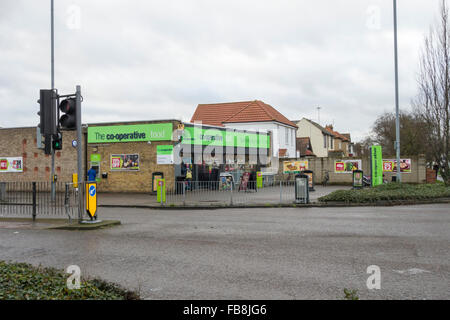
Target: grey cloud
[[152, 59]]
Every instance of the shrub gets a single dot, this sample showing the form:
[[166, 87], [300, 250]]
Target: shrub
[[389, 192], [22, 281]]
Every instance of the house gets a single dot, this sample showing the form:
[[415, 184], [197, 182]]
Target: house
[[252, 115], [321, 140], [342, 144], [351, 145], [304, 147]]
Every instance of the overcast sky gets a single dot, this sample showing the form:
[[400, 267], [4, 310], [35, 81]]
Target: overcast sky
[[144, 60]]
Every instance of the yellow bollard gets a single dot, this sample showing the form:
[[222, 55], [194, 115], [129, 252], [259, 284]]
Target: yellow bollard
[[75, 180]]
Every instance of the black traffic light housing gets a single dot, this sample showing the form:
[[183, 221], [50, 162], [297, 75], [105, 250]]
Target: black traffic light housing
[[47, 144], [47, 117], [47, 111], [69, 118]]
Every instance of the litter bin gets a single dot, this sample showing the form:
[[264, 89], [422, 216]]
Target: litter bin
[[301, 188], [2, 191], [310, 175], [358, 179]]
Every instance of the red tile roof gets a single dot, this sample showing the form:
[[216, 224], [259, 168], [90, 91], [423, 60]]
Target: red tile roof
[[246, 111], [329, 128]]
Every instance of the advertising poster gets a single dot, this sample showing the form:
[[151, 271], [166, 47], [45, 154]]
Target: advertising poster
[[164, 154], [376, 165], [390, 165], [124, 162], [11, 164], [347, 166], [295, 166]]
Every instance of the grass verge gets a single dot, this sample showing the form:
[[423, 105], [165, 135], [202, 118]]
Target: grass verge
[[22, 281], [389, 192]]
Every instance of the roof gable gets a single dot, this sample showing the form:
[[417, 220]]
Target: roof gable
[[318, 126], [234, 112]]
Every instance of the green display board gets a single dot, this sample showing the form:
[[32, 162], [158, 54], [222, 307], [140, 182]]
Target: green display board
[[224, 138], [130, 133], [259, 180], [161, 190], [376, 165], [164, 154], [95, 157]]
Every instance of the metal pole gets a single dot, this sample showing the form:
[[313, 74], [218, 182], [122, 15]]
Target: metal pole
[[281, 192], [53, 191], [397, 117], [79, 157], [34, 201]]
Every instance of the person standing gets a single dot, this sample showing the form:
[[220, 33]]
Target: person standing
[[91, 174], [189, 178]]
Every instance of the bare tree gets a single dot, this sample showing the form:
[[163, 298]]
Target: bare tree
[[433, 99], [413, 130]]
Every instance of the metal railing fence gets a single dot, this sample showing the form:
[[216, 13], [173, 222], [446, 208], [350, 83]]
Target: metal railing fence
[[34, 199], [185, 193]]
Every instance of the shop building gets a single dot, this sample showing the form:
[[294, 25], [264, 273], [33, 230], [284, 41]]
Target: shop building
[[129, 156]]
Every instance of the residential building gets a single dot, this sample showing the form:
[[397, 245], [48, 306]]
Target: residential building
[[321, 140], [351, 151], [252, 115], [304, 147], [342, 143]]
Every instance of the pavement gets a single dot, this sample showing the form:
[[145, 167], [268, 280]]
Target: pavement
[[259, 253], [264, 196]]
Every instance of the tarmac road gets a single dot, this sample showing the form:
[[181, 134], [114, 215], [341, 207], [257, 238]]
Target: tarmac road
[[273, 253]]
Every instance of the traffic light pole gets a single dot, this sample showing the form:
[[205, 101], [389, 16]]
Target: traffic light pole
[[52, 177], [79, 154]]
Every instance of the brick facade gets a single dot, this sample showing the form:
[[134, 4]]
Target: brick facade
[[320, 165], [21, 142]]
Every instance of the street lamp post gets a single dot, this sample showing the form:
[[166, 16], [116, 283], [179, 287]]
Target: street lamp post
[[397, 118]]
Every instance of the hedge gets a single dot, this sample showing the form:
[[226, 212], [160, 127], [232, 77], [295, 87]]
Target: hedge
[[22, 281], [389, 192]]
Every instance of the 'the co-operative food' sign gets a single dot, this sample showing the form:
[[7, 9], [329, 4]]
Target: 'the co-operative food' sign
[[130, 133]]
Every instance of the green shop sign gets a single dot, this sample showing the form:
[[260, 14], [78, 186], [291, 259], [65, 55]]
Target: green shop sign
[[130, 133], [224, 138]]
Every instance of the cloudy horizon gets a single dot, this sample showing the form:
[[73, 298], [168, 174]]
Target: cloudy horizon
[[144, 60]]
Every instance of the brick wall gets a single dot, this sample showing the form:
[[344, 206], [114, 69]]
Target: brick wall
[[131, 181], [320, 165], [21, 142]]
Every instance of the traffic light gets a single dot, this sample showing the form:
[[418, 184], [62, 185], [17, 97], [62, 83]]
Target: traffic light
[[69, 119], [47, 111], [57, 141], [48, 144]]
